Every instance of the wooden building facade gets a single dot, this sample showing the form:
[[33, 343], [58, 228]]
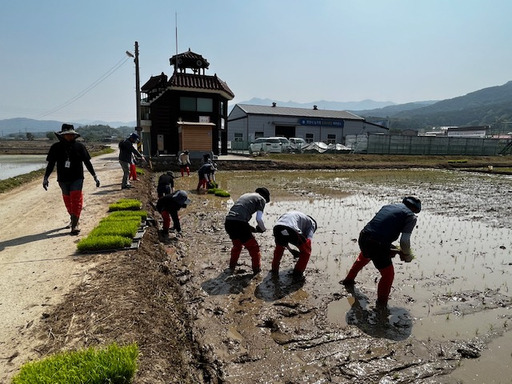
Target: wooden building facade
[[187, 111]]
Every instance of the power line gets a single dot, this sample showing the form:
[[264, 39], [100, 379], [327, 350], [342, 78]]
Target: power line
[[81, 94]]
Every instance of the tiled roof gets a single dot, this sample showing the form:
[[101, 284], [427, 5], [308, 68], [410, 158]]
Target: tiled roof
[[189, 59], [200, 83], [289, 111], [155, 82]]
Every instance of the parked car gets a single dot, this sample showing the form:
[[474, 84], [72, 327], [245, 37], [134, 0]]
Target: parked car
[[270, 145], [297, 143]]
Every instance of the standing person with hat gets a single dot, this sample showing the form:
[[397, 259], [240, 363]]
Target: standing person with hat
[[126, 151], [165, 184], [168, 206], [70, 156], [241, 232], [295, 228], [375, 242]]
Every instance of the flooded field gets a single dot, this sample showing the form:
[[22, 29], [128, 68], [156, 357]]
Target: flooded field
[[14, 165], [456, 288]]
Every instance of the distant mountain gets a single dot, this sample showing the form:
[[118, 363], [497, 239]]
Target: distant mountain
[[393, 110], [22, 125], [323, 104], [489, 106]]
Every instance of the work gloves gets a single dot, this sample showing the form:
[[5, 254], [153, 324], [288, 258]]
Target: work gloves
[[97, 181], [46, 183], [256, 229]]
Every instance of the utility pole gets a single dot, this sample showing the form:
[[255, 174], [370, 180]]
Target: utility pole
[[137, 95]]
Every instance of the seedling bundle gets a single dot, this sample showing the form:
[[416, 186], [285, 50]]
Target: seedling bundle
[[117, 230]]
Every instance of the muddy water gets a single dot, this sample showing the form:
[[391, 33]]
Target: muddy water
[[456, 288]]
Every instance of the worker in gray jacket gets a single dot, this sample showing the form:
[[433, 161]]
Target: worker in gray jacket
[[241, 232], [126, 150]]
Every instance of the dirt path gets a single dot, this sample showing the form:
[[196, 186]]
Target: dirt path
[[38, 265]]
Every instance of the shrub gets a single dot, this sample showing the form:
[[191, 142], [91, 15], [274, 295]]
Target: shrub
[[113, 364]]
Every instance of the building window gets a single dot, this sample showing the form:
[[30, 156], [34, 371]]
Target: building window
[[239, 137], [259, 134], [309, 138], [331, 139], [196, 104], [187, 103], [204, 105]]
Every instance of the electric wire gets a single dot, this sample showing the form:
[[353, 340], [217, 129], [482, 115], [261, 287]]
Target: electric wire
[[81, 94]]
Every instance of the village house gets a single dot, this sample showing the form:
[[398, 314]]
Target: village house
[[187, 111]]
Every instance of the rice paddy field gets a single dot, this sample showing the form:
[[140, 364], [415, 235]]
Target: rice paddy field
[[456, 288]]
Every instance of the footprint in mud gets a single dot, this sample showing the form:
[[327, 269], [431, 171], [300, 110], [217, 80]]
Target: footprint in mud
[[228, 282], [391, 323], [275, 287]]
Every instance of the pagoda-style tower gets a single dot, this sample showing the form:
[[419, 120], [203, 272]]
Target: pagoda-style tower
[[186, 112]]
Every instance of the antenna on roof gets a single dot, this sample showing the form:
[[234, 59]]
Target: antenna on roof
[[176, 23]]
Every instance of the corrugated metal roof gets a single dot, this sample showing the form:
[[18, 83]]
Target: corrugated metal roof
[[303, 112]]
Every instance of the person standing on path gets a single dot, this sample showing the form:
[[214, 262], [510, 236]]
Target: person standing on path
[[70, 156], [295, 228], [241, 232], [126, 151], [375, 242]]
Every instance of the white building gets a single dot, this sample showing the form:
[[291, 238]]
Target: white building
[[248, 122]]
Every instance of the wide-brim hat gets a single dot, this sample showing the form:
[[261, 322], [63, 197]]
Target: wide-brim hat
[[181, 198], [68, 129]]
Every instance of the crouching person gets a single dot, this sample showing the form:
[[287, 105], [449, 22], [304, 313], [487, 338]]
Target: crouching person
[[165, 184], [241, 232], [294, 228], [168, 206]]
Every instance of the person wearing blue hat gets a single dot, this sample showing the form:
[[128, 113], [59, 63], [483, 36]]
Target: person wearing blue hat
[[126, 153], [375, 242]]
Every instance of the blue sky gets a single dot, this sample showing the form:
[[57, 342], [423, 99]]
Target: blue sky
[[65, 60]]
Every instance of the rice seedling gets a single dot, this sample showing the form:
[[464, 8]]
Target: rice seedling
[[125, 228], [101, 243], [113, 364], [124, 215], [219, 192], [115, 231], [125, 204]]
